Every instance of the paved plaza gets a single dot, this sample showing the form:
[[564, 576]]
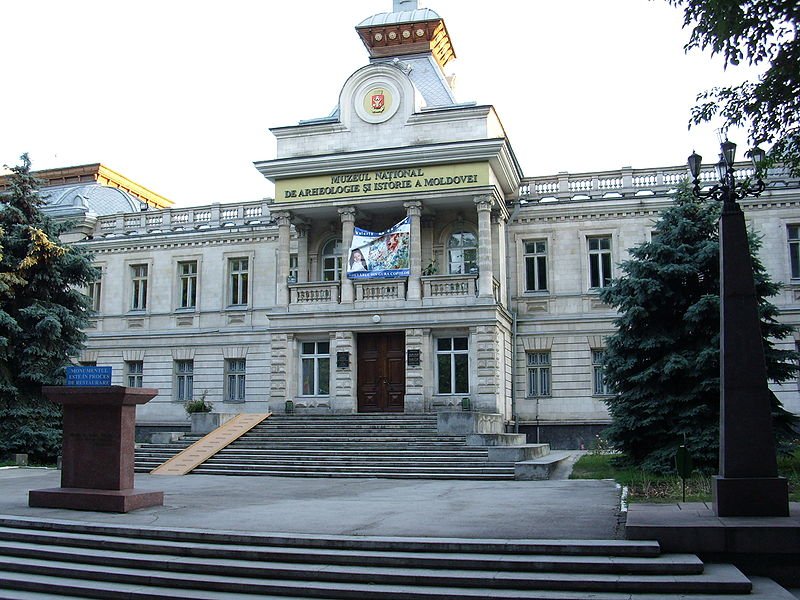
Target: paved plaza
[[577, 509]]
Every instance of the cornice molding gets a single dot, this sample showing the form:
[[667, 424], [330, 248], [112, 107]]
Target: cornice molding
[[495, 150]]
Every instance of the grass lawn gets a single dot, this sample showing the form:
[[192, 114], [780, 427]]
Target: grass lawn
[[644, 486]]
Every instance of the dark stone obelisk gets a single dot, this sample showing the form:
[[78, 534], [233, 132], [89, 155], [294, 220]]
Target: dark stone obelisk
[[98, 450], [748, 482]]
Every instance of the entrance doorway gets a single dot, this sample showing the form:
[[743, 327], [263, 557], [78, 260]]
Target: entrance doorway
[[381, 372]]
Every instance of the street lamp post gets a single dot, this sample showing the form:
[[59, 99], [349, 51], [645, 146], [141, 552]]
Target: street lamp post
[[748, 482]]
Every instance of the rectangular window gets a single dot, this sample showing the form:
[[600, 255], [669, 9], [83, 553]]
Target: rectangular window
[[187, 275], [134, 373], [315, 358], [238, 279], [599, 261], [93, 291], [536, 266], [794, 250], [599, 387], [452, 361], [538, 374], [184, 380], [235, 371], [139, 288]]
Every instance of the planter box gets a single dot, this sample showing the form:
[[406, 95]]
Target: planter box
[[203, 423]]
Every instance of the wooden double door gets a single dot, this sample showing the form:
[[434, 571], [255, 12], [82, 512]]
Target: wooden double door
[[381, 372]]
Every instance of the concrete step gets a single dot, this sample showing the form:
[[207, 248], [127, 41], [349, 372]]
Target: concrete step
[[571, 547], [55, 545], [78, 559], [224, 575], [374, 445], [364, 473], [104, 571]]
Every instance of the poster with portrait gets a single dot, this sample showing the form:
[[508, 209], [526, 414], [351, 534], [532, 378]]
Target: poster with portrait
[[383, 254]]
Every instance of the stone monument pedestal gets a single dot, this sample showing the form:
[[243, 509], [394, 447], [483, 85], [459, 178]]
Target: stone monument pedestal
[[98, 450]]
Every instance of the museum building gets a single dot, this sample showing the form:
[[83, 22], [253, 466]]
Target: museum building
[[405, 264]]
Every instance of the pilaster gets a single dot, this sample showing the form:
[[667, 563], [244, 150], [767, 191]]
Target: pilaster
[[302, 251], [414, 401], [344, 384]]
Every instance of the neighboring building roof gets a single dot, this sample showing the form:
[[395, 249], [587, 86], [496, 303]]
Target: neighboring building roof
[[67, 200], [101, 186]]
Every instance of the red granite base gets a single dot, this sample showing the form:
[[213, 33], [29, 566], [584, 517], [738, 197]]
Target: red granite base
[[118, 501]]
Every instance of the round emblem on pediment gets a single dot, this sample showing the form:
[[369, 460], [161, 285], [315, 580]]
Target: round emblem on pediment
[[392, 35], [420, 32], [406, 34], [377, 101], [378, 36]]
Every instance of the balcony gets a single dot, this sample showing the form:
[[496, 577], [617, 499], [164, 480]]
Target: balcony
[[437, 290]]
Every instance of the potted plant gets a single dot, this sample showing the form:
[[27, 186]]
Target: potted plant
[[199, 411]]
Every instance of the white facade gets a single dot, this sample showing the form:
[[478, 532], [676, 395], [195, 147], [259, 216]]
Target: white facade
[[246, 304]]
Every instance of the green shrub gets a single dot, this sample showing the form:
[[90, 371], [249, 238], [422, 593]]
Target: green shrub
[[198, 405], [34, 430]]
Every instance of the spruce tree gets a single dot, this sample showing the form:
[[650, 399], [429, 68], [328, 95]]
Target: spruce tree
[[42, 314], [663, 361]]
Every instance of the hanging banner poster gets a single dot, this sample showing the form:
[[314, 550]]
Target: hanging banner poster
[[380, 255]]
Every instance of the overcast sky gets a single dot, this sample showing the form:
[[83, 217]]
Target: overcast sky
[[179, 95]]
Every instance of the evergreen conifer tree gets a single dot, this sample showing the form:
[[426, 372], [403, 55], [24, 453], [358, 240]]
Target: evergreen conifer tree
[[42, 313], [663, 361]]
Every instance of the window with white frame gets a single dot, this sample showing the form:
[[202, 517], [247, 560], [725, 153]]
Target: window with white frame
[[538, 374], [794, 249], [187, 282], [536, 266], [332, 261], [93, 290], [599, 387], [238, 281], [184, 380], [452, 365], [139, 287], [134, 373], [599, 261], [315, 361], [462, 253], [235, 379]]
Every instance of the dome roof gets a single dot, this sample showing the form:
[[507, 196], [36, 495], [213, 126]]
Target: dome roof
[[405, 16], [88, 197]]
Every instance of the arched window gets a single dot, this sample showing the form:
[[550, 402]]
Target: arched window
[[462, 253], [332, 260]]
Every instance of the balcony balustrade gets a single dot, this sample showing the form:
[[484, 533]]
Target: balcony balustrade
[[627, 182]]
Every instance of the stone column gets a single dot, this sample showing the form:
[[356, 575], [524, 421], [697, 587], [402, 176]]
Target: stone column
[[413, 211], [484, 205], [302, 251], [348, 216], [284, 234]]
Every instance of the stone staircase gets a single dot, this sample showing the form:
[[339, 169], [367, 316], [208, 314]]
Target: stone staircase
[[46, 559], [371, 445]]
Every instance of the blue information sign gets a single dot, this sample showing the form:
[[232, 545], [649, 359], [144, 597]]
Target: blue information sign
[[88, 376]]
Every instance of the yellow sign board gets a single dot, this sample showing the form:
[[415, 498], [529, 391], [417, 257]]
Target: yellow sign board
[[382, 182]]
